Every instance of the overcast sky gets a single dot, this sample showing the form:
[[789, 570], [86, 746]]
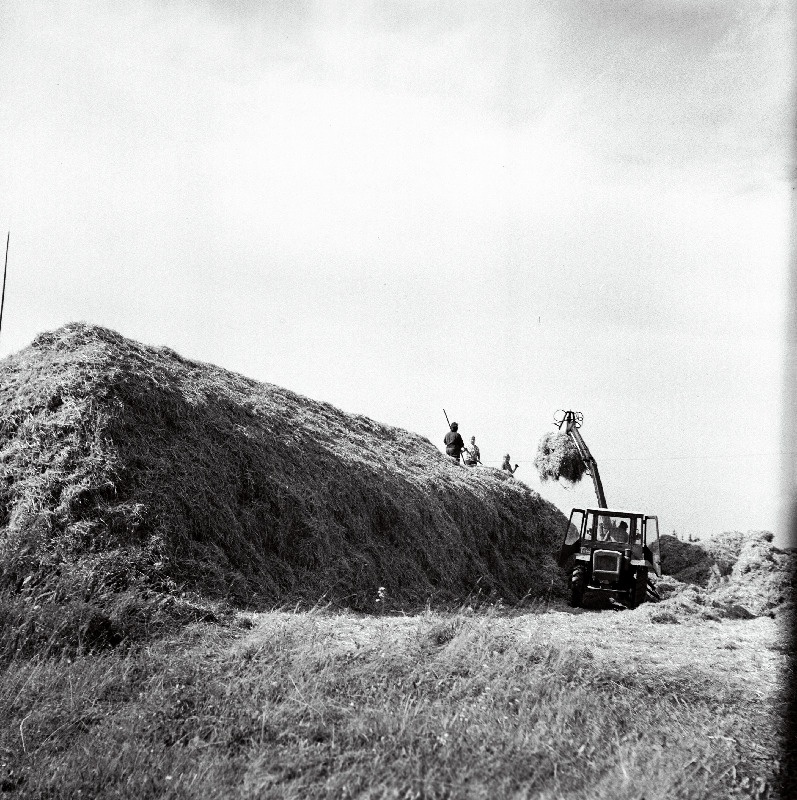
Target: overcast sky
[[496, 208]]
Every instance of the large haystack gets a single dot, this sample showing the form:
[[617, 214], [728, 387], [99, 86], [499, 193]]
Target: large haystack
[[128, 469], [558, 457]]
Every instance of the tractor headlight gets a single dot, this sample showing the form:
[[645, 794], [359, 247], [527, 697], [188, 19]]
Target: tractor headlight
[[585, 551]]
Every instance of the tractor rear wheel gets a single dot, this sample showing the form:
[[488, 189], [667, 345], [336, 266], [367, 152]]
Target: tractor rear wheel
[[578, 583], [639, 590]]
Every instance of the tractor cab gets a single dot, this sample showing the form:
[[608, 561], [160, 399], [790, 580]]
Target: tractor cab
[[612, 551]]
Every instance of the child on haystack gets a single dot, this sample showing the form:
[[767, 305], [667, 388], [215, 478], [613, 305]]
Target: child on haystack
[[507, 466], [474, 456]]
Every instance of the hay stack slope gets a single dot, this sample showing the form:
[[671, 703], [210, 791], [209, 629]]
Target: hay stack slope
[[130, 476], [558, 457]]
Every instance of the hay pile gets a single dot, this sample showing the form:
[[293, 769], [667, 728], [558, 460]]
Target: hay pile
[[697, 563], [558, 457], [137, 486], [690, 563], [763, 577], [736, 576]]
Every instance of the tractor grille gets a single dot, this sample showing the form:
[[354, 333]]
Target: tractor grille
[[606, 562]]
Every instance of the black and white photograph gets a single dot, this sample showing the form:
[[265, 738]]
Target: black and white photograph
[[398, 399]]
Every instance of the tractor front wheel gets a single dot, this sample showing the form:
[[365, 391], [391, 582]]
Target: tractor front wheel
[[639, 590], [578, 583]]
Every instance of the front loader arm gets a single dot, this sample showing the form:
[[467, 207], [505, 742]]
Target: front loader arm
[[571, 429]]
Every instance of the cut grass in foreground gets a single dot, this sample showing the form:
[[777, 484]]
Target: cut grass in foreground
[[464, 706]]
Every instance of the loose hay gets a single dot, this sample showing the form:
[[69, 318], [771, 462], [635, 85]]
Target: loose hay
[[147, 486], [558, 457], [731, 576]]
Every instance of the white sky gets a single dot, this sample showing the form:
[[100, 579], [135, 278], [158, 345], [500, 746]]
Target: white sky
[[500, 208]]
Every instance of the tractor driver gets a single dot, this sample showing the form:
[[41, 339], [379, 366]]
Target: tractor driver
[[621, 533], [610, 533]]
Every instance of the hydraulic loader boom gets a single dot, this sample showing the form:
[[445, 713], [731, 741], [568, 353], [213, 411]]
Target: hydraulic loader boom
[[571, 421]]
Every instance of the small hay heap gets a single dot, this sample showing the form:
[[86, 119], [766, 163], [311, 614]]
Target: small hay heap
[[558, 457], [132, 478]]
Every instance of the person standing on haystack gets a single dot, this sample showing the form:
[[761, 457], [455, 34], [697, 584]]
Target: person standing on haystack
[[453, 442], [507, 466], [474, 457]]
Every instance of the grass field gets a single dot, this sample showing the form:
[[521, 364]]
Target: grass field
[[481, 704]]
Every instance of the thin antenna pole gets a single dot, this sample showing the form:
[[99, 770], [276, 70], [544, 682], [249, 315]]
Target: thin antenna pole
[[5, 269]]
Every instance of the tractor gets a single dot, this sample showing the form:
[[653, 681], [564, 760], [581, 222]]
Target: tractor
[[608, 551]]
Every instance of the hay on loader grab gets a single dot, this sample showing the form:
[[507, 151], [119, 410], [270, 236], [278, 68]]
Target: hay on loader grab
[[558, 457]]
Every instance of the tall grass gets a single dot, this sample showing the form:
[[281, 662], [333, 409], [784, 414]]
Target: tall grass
[[436, 706]]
